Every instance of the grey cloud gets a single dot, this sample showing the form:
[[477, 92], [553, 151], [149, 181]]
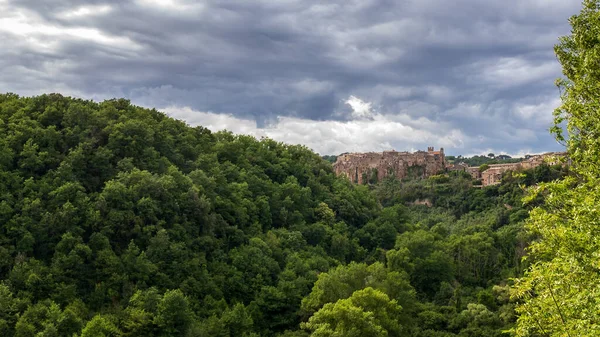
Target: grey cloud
[[483, 67]]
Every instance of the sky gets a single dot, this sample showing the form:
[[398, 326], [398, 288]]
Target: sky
[[471, 76]]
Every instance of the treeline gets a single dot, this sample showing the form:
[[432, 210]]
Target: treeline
[[117, 220], [483, 160]]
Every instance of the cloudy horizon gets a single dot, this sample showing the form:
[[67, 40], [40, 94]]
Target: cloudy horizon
[[472, 77]]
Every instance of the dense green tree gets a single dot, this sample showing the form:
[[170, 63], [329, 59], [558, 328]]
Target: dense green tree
[[366, 312], [343, 281], [559, 293], [100, 326]]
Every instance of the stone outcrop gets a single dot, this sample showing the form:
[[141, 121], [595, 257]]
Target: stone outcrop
[[374, 166]]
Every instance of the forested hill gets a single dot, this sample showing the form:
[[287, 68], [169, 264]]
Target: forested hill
[[117, 220]]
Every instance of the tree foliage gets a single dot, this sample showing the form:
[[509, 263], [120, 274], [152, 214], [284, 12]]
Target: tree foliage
[[366, 312], [559, 294], [120, 221]]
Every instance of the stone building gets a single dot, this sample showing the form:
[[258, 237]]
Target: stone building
[[371, 167], [474, 172], [457, 167], [493, 175]]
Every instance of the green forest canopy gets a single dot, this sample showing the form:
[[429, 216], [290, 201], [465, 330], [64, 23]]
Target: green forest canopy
[[120, 221]]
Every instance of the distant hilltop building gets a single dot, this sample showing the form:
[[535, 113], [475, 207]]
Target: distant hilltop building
[[372, 167], [493, 174]]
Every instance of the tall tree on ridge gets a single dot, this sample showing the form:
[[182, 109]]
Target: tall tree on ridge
[[560, 293]]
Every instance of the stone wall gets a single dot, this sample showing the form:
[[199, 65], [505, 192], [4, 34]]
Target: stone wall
[[374, 166]]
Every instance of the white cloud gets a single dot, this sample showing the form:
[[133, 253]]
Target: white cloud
[[174, 6], [538, 113], [381, 132], [509, 72], [38, 33], [160, 3], [85, 11], [360, 108], [214, 121]]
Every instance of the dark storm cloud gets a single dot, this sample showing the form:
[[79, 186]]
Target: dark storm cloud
[[480, 71]]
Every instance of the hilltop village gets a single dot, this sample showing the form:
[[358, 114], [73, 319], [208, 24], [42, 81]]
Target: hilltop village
[[371, 167]]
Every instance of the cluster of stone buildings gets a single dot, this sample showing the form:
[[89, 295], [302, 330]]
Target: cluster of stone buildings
[[493, 173], [372, 167]]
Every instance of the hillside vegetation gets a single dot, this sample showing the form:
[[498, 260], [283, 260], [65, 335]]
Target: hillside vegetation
[[120, 221]]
